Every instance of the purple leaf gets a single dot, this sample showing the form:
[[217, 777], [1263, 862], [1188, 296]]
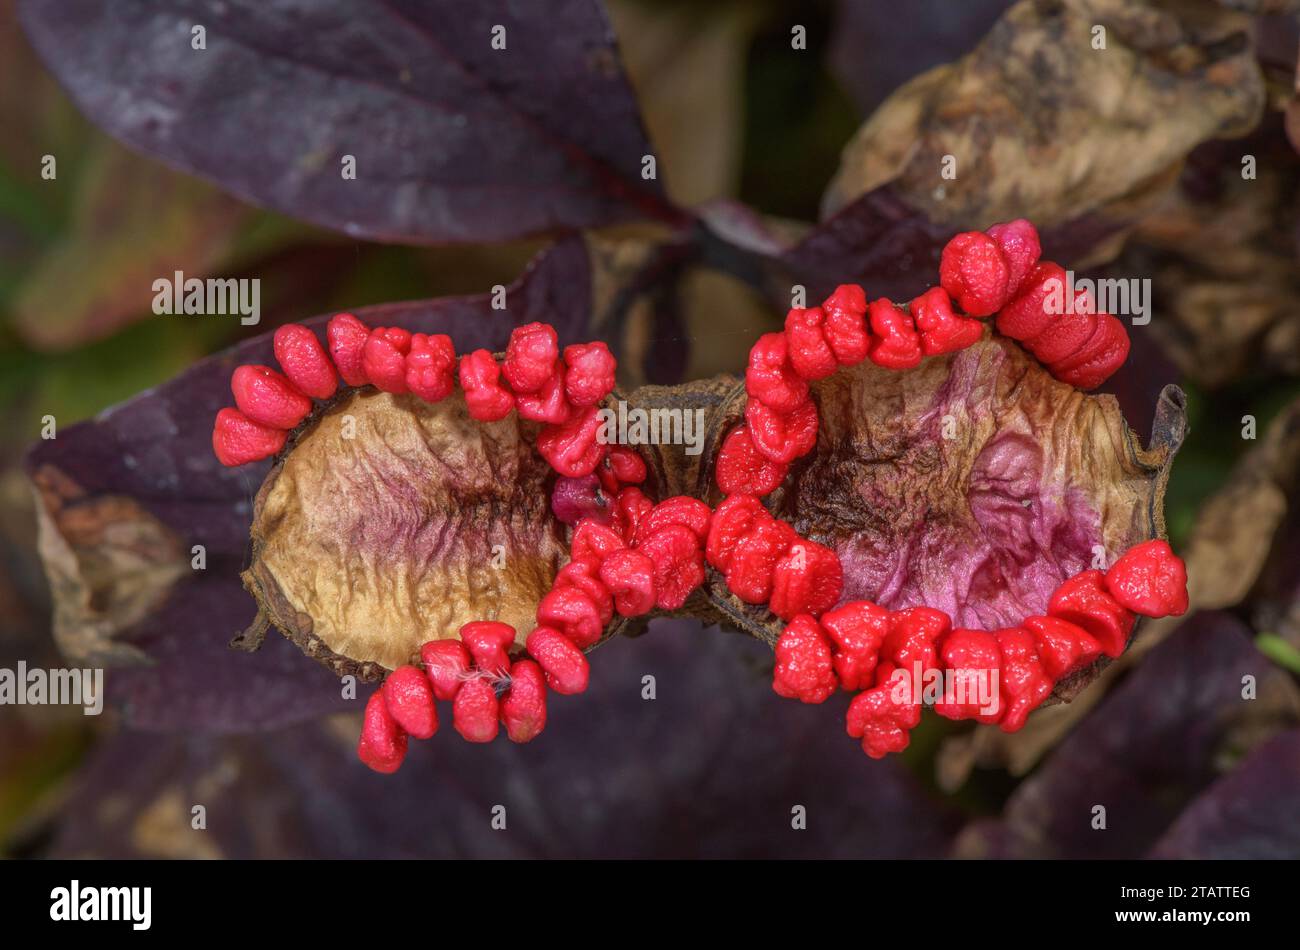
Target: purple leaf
[[1146, 752], [453, 139], [1251, 813], [711, 767], [139, 483]]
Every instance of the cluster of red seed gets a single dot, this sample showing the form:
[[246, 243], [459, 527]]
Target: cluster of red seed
[[860, 646], [637, 556]]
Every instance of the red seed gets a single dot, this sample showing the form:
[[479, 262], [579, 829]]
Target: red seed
[[531, 358], [1084, 601], [573, 613], [475, 711], [973, 272], [749, 571], [911, 645], [431, 367], [384, 363], [398, 338], [547, 404], [347, 342], [1023, 677], [268, 398], [680, 509], [594, 541], [523, 707], [383, 743], [809, 352], [807, 580], [741, 469], [731, 521], [880, 722], [304, 361], [585, 576], [895, 343], [1065, 334], [1018, 242], [409, 697], [573, 449], [1026, 315], [782, 437], [480, 378], [566, 668], [630, 507], [770, 378], [843, 323], [488, 642], [942, 331], [627, 465], [1062, 646], [237, 440], [1151, 580], [803, 662], [975, 662], [446, 663], [630, 576], [857, 631], [589, 373], [678, 564], [1097, 359]]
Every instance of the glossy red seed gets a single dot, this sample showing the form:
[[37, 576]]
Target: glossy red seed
[[1023, 678], [523, 707], [731, 521], [446, 663], [347, 337], [480, 378], [942, 331], [475, 711], [1084, 601], [749, 570], [912, 643], [630, 507], [1018, 242], [973, 272], [594, 541], [268, 398], [1027, 314], [630, 576], [1063, 647], [573, 613], [741, 469], [237, 440], [1097, 359], [770, 378], [409, 697], [782, 437], [1151, 580], [627, 465], [589, 373], [844, 324], [973, 664], [566, 668], [585, 576], [807, 580], [304, 361], [857, 632], [1065, 334], [488, 642], [803, 662], [532, 357], [398, 338], [895, 344], [431, 367], [882, 723], [384, 363], [548, 403], [680, 509], [383, 743], [678, 564], [809, 352], [573, 449]]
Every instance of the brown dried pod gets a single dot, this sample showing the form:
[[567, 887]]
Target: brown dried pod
[[974, 483]]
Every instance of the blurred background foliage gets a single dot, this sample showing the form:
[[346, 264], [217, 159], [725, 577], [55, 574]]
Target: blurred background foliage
[[735, 114]]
